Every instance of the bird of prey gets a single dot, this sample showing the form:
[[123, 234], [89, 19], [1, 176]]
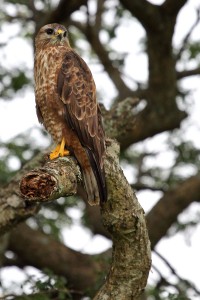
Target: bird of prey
[[66, 105]]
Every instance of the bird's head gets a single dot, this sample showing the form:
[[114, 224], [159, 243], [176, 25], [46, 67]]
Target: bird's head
[[52, 34]]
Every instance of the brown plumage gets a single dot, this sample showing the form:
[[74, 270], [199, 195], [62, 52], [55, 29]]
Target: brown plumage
[[66, 105]]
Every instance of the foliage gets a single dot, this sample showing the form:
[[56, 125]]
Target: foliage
[[47, 286]]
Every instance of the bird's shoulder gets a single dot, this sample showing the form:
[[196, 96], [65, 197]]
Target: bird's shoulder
[[73, 62], [76, 76]]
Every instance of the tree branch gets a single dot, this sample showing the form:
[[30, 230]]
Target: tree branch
[[55, 179], [123, 217], [47, 183], [173, 7], [187, 73], [165, 212], [99, 13], [13, 208], [147, 13], [127, 123], [64, 11], [188, 35]]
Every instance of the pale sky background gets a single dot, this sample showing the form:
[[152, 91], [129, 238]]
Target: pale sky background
[[181, 252]]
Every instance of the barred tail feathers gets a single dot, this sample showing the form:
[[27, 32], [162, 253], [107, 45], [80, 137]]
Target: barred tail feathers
[[93, 177], [99, 175]]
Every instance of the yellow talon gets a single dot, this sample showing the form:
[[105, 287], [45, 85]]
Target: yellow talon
[[59, 151]]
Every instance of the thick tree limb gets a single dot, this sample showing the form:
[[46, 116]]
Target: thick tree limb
[[123, 217], [126, 123]]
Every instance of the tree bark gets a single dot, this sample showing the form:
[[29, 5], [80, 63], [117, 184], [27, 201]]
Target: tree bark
[[124, 218]]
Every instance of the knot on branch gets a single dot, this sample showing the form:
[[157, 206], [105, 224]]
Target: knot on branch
[[55, 179], [37, 184]]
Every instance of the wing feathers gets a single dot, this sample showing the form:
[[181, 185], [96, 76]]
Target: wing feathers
[[76, 89]]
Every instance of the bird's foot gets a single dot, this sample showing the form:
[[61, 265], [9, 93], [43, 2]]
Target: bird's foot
[[59, 151], [55, 154]]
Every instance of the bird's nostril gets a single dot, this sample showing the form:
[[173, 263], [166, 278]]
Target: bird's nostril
[[60, 36]]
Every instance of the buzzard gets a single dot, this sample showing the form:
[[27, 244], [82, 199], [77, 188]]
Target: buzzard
[[66, 105]]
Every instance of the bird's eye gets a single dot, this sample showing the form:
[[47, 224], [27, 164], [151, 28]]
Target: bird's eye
[[65, 34], [49, 31]]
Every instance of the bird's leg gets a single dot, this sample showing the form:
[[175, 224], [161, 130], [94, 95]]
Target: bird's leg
[[63, 151], [59, 151]]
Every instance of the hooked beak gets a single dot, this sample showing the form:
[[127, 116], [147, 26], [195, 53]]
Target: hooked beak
[[59, 34]]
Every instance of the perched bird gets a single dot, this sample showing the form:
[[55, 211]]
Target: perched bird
[[66, 105]]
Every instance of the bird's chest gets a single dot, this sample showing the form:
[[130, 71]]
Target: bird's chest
[[47, 66]]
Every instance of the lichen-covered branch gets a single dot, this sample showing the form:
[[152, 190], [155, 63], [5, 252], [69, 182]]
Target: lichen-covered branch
[[124, 218], [35, 184], [55, 179]]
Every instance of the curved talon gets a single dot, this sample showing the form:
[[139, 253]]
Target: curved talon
[[59, 151], [65, 153]]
